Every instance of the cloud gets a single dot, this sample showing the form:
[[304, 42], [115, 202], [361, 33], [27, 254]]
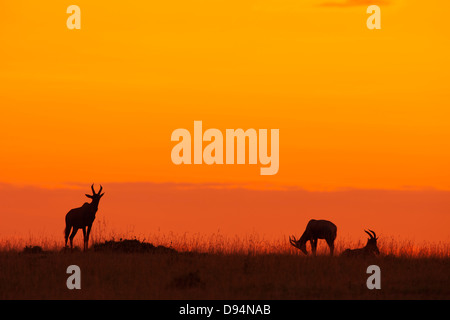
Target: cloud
[[162, 208], [354, 3]]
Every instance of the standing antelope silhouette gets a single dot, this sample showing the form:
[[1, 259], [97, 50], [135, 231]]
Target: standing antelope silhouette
[[316, 229], [82, 217]]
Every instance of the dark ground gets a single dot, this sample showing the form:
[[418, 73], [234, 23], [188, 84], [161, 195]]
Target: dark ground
[[127, 272]]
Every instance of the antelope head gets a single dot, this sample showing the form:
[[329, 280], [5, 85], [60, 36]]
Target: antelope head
[[95, 196], [372, 242], [297, 243]]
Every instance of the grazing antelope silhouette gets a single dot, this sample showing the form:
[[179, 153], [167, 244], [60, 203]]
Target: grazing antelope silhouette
[[82, 217], [316, 229], [371, 248]]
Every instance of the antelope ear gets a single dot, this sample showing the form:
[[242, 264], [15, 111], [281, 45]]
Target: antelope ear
[[102, 194], [88, 195]]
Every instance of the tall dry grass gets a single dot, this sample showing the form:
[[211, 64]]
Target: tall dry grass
[[219, 243]]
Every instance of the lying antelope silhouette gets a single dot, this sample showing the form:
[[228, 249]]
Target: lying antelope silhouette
[[82, 217], [371, 248], [316, 229]]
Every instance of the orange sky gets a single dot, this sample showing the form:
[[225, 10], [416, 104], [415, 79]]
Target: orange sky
[[357, 109]]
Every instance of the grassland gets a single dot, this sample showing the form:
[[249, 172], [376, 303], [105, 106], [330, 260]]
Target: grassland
[[230, 271]]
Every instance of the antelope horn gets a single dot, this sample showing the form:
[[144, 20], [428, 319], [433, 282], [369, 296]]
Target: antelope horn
[[101, 188], [293, 241], [370, 235], [92, 188], [374, 235]]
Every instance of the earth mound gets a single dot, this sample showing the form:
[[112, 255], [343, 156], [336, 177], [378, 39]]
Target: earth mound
[[33, 249], [131, 246]]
